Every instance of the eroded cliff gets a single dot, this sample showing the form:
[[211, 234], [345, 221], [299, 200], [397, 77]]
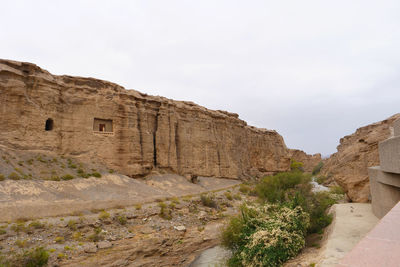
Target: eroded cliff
[[309, 161], [134, 133], [355, 153]]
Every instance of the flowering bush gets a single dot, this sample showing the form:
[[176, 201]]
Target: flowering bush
[[265, 235]]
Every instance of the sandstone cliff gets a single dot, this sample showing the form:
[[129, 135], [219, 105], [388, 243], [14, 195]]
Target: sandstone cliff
[[356, 152], [309, 161], [131, 132]]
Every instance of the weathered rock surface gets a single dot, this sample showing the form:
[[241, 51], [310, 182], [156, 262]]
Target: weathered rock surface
[[309, 161], [143, 132], [356, 152]]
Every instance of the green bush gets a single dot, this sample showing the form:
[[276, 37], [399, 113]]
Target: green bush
[[337, 190], [34, 258], [104, 215], [96, 174], [228, 195], [67, 177], [244, 188], [2, 178], [97, 235], [122, 219], [296, 165], [265, 235], [273, 188], [317, 168], [208, 200], [294, 189], [14, 176], [37, 225], [321, 179]]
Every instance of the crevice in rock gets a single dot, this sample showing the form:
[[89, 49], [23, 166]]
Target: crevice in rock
[[177, 148], [139, 127], [155, 138]]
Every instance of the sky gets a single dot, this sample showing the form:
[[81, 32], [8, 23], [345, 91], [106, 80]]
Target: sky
[[312, 70]]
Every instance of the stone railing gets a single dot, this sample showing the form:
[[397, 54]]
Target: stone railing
[[385, 179]]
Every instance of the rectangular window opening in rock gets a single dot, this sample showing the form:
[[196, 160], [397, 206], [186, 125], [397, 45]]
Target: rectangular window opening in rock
[[102, 125]]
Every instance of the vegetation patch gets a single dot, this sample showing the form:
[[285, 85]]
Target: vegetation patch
[[265, 235], [208, 200]]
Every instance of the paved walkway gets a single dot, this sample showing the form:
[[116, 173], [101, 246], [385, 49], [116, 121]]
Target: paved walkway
[[351, 223], [381, 246]]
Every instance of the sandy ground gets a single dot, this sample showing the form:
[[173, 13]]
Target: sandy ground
[[39, 198]]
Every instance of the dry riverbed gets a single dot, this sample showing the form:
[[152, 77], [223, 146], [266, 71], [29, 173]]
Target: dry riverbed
[[169, 231]]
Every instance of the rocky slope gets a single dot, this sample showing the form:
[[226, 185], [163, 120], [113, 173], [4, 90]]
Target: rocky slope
[[309, 161], [356, 152], [128, 131]]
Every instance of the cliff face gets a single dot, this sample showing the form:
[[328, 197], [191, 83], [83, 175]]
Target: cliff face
[[309, 161], [356, 152], [128, 131]]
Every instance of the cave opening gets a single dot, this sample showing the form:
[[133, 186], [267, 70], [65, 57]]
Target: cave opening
[[49, 124]]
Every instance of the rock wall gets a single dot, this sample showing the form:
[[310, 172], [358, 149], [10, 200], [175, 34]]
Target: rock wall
[[149, 132], [309, 161], [356, 152]]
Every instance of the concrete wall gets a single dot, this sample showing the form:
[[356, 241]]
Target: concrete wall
[[385, 179]]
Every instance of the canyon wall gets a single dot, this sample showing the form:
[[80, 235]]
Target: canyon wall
[[44, 112], [356, 152], [309, 161]]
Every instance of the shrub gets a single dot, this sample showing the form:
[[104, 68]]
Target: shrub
[[228, 196], [104, 215], [2, 231], [96, 174], [77, 236], [165, 212], [35, 257], [20, 243], [67, 177], [317, 168], [18, 227], [265, 235], [37, 225], [2, 178], [72, 225], [96, 236], [296, 165], [244, 188], [59, 240], [237, 197], [138, 206], [294, 189], [273, 188], [122, 219], [14, 176], [208, 200], [337, 190], [110, 171], [321, 179]]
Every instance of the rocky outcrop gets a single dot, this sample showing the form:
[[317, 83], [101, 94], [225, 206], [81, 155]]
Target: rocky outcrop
[[128, 131], [356, 152], [309, 161]]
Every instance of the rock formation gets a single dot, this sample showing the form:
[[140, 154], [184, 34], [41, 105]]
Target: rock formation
[[356, 152], [128, 131], [309, 161]]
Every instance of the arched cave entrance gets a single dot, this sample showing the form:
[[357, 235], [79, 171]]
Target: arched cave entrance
[[49, 125]]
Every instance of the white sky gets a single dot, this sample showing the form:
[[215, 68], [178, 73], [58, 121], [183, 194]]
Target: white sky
[[312, 70]]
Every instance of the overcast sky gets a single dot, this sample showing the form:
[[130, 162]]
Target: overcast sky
[[312, 70]]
